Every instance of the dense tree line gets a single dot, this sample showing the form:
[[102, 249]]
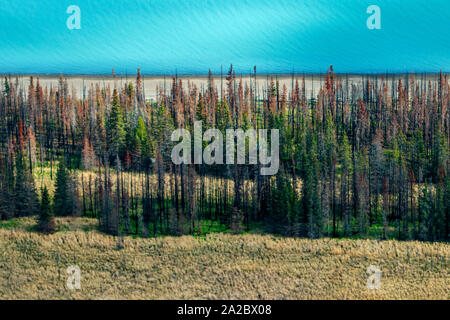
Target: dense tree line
[[359, 158]]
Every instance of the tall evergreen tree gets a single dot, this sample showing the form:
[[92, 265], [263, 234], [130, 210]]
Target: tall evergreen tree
[[25, 196], [46, 219], [66, 200], [60, 203], [115, 128]]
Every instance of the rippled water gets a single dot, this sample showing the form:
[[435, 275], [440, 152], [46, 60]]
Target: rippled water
[[191, 36]]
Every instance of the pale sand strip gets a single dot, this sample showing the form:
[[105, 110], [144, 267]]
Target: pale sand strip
[[313, 82]]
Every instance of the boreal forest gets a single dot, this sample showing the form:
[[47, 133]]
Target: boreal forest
[[365, 158]]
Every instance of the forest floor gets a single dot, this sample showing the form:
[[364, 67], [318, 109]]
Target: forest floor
[[216, 266]]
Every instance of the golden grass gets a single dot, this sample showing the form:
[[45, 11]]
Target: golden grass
[[33, 266], [42, 178], [211, 183]]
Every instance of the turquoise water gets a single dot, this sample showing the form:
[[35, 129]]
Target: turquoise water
[[191, 36]]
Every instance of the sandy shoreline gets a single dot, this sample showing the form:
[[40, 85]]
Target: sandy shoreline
[[151, 83]]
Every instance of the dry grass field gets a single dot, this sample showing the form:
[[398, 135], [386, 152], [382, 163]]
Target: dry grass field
[[218, 266]]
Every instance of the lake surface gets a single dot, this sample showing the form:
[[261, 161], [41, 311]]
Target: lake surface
[[192, 36]]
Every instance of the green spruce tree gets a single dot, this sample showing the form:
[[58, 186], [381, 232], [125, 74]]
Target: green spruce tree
[[46, 218], [25, 197], [115, 131], [61, 205]]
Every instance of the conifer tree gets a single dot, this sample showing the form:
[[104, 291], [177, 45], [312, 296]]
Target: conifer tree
[[25, 197], [66, 196], [46, 218], [6, 188], [346, 170], [310, 193], [115, 128]]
